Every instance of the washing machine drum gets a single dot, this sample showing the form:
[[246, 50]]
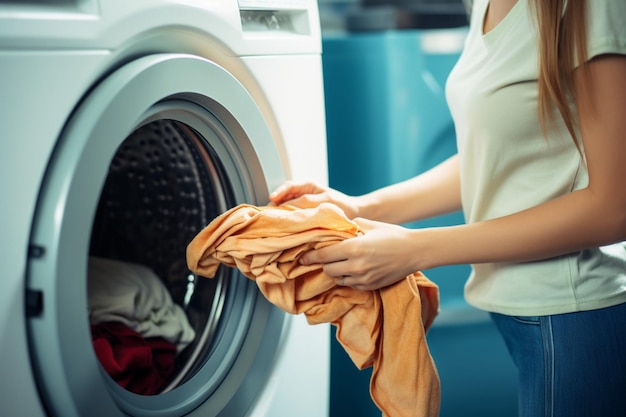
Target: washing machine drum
[[117, 323], [160, 190]]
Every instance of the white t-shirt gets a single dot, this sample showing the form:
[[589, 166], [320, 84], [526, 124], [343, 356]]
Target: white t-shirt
[[507, 165]]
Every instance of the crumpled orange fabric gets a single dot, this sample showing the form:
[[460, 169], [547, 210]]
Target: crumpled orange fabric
[[383, 328]]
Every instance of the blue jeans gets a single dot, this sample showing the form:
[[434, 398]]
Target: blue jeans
[[569, 365]]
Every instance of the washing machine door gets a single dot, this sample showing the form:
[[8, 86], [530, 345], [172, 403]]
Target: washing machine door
[[152, 154]]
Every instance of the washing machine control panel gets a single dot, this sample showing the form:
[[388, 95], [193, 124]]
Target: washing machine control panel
[[272, 4], [281, 16]]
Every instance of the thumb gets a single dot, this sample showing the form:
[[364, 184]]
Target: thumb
[[365, 224]]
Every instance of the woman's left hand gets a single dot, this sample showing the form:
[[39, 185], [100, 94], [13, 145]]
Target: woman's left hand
[[383, 255]]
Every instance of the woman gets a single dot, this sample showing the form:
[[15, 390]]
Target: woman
[[539, 102]]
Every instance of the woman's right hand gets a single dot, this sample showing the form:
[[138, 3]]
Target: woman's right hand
[[309, 194]]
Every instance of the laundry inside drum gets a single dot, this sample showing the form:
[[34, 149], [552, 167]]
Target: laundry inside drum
[[152, 321]]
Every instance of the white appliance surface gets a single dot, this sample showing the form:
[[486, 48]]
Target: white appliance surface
[[57, 59]]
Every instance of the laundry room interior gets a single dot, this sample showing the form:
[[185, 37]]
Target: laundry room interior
[[135, 125]]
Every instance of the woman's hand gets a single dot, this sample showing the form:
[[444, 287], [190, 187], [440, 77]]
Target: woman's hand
[[309, 194], [383, 255]]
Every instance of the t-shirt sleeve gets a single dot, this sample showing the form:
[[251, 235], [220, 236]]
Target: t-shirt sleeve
[[606, 27]]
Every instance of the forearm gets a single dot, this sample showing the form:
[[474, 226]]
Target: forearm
[[432, 193], [590, 217], [570, 223]]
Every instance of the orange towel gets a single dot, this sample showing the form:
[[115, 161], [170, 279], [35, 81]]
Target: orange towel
[[384, 328]]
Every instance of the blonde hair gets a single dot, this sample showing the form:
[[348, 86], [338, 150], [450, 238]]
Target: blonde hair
[[562, 47]]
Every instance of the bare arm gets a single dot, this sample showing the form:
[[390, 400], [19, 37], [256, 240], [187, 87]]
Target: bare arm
[[430, 194], [593, 216]]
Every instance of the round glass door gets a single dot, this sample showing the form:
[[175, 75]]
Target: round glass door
[[117, 324]]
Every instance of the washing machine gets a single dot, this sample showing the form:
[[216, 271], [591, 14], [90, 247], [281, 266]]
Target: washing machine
[[126, 127]]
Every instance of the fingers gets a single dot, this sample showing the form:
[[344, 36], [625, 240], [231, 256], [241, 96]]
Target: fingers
[[365, 225], [336, 267], [334, 264], [353, 282], [326, 256], [291, 190]]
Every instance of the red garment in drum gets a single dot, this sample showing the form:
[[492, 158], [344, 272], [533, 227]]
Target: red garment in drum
[[141, 365]]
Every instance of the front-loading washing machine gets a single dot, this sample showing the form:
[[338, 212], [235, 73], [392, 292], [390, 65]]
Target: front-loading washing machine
[[126, 127]]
